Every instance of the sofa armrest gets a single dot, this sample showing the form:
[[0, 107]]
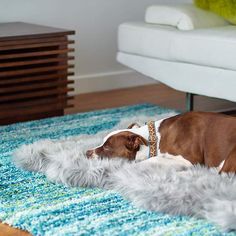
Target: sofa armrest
[[183, 17]]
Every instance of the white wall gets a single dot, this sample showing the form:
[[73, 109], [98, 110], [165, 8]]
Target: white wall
[[95, 22]]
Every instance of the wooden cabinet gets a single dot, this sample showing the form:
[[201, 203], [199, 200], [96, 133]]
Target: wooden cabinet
[[34, 69]]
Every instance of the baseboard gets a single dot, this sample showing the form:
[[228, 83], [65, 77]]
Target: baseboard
[[109, 81]]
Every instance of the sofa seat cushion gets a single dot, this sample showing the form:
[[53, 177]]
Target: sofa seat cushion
[[146, 39], [215, 47]]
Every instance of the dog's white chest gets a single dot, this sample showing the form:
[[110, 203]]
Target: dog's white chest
[[166, 160]]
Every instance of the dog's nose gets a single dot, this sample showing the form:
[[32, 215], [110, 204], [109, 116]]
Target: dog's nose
[[89, 153]]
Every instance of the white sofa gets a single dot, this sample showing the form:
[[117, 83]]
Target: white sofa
[[196, 60]]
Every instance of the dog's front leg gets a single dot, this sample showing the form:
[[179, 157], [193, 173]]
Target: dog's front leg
[[168, 161], [142, 154]]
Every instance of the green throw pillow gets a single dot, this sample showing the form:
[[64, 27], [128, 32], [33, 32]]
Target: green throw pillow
[[224, 8]]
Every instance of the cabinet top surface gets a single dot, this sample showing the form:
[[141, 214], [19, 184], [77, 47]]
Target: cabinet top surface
[[21, 29]]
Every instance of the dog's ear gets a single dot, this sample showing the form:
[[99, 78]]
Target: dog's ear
[[133, 125], [134, 142]]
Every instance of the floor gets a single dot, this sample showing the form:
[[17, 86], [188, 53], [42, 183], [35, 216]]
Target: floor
[[156, 94]]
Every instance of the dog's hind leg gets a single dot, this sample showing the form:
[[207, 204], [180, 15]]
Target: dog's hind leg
[[230, 163]]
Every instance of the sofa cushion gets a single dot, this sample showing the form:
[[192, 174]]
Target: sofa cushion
[[146, 39], [182, 16], [224, 8], [214, 47]]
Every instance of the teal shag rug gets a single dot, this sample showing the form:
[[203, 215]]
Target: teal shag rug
[[29, 202]]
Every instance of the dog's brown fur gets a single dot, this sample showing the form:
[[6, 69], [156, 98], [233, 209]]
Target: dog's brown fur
[[201, 138]]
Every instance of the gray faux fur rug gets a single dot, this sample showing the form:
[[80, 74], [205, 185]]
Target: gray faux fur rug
[[196, 191]]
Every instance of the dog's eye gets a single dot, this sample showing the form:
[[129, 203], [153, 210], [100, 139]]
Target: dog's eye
[[129, 146]]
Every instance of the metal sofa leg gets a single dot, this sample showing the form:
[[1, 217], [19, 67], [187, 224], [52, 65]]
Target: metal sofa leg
[[189, 102]]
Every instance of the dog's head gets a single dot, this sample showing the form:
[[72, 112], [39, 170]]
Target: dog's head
[[122, 144]]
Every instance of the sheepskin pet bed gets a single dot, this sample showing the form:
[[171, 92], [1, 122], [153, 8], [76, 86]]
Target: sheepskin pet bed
[[196, 191]]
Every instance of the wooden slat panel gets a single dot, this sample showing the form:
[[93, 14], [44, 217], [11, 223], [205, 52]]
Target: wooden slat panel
[[36, 62], [33, 40], [34, 102], [32, 78], [37, 36], [35, 70], [36, 45], [34, 116], [34, 110], [36, 54], [35, 86], [21, 30], [35, 94]]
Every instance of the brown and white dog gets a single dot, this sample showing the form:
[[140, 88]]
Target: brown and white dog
[[192, 138]]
